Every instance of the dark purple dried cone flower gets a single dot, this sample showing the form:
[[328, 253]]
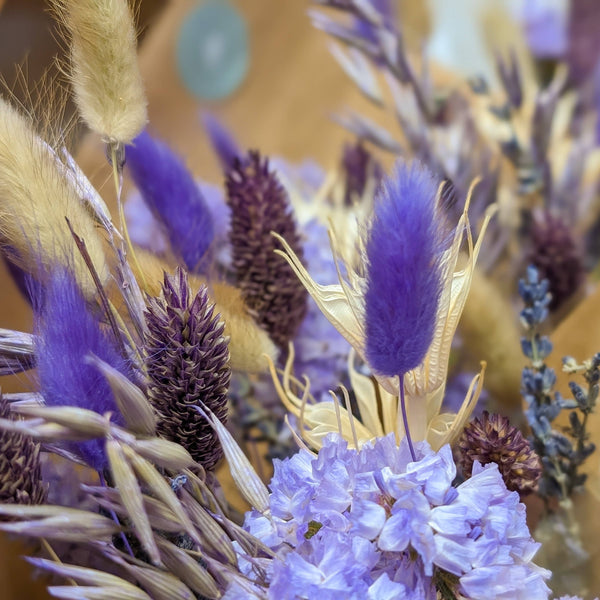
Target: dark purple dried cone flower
[[259, 205], [358, 165], [187, 363], [491, 438], [20, 470], [557, 257]]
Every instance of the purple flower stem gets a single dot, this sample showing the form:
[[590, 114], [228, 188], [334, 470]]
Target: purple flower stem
[[113, 514], [405, 419]]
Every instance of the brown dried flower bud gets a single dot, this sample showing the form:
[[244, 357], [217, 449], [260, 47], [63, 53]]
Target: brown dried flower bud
[[259, 205], [187, 363], [491, 438], [20, 471]]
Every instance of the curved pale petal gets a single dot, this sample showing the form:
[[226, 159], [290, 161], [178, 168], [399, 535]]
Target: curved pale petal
[[338, 303], [445, 427]]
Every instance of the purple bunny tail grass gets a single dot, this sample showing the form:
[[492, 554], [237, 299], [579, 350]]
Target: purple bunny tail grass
[[222, 142], [174, 197], [259, 205], [404, 249], [67, 333]]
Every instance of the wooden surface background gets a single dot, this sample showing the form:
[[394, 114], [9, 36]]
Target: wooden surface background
[[283, 108]]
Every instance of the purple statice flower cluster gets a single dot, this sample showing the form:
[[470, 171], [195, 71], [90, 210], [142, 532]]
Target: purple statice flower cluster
[[375, 524]]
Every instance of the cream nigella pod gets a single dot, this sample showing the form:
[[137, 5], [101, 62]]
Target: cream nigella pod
[[378, 397]]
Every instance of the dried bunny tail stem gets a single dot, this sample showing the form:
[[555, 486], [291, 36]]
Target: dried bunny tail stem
[[35, 198], [104, 68]]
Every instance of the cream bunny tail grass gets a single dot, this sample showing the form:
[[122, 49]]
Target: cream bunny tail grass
[[104, 68], [37, 194]]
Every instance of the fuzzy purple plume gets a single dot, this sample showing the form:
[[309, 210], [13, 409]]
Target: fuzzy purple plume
[[67, 333], [222, 142], [174, 197], [404, 247]]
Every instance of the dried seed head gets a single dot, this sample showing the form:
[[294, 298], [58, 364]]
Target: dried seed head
[[259, 206], [557, 257], [187, 363], [105, 74], [20, 473], [491, 438], [358, 166]]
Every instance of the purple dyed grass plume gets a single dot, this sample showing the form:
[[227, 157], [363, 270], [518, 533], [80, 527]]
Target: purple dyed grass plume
[[68, 332], [187, 364], [172, 194], [259, 205], [404, 248], [222, 141]]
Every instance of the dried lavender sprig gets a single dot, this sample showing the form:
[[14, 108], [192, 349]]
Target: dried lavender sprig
[[560, 460], [586, 403]]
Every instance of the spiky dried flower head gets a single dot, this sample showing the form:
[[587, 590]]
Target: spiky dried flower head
[[491, 438], [259, 206], [104, 69], [20, 469], [404, 249], [36, 195], [358, 166], [187, 364], [248, 343], [555, 253]]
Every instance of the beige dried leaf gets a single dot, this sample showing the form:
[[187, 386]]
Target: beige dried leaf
[[160, 585], [57, 522], [131, 401], [161, 517], [131, 497], [156, 482], [77, 420], [244, 475], [181, 564], [164, 453], [69, 592], [215, 537]]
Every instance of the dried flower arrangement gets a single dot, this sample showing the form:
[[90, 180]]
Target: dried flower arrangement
[[157, 357]]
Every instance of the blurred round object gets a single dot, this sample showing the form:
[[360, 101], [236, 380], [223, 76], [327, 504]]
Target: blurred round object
[[212, 50]]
